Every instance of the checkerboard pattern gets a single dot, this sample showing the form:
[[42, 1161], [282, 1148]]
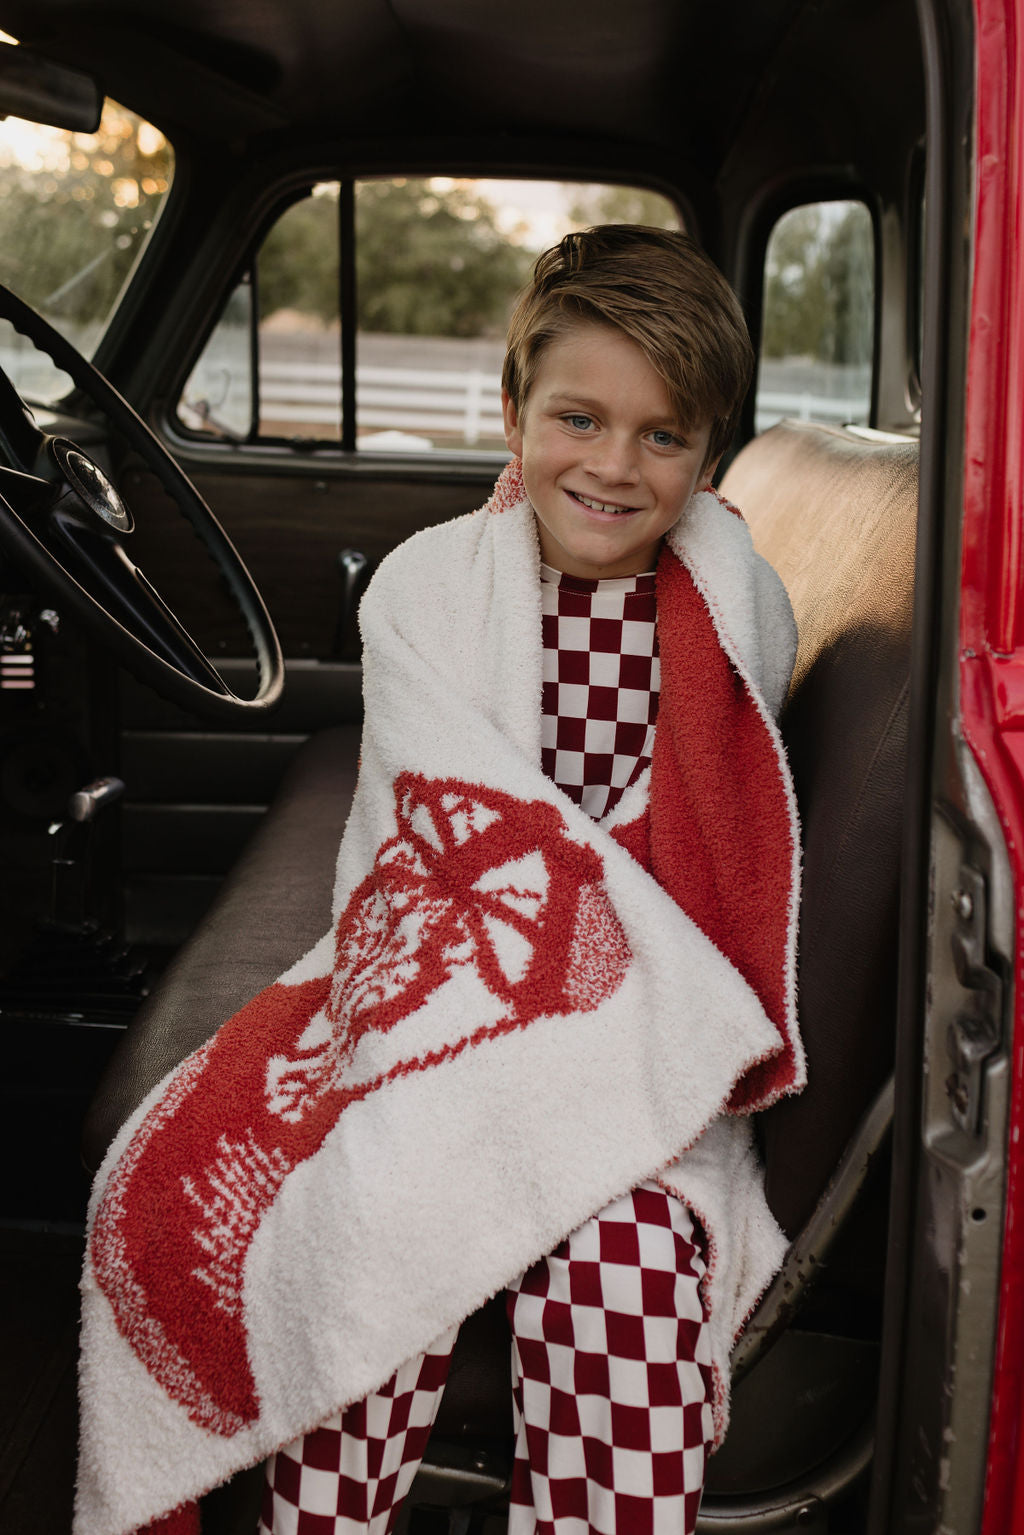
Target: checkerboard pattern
[[611, 1384], [349, 1476], [600, 685], [612, 1402]]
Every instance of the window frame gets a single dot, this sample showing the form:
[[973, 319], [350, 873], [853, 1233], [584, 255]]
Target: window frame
[[916, 226]]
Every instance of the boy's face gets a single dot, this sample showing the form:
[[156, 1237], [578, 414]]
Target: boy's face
[[607, 463]]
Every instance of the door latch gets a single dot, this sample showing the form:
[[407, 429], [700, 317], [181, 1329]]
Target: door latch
[[355, 574], [975, 1034]]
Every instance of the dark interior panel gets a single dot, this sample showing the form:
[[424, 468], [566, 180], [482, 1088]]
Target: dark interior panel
[[289, 529], [193, 795]]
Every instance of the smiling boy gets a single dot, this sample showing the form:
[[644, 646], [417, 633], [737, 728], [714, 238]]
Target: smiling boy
[[559, 978], [627, 363]]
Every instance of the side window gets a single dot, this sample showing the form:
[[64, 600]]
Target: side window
[[817, 338], [400, 286]]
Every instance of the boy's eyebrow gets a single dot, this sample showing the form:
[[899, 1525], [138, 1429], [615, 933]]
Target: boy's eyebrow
[[574, 399], [584, 402]]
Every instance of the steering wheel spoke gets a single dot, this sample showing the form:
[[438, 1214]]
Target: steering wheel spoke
[[25, 494], [101, 567], [21, 441], [62, 518]]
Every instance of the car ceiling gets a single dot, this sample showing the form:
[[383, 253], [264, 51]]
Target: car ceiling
[[672, 76]]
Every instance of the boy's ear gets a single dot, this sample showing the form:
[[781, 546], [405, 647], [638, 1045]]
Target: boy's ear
[[708, 472], [513, 433]]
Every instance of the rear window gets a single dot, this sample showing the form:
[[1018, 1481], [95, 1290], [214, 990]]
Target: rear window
[[76, 211], [818, 326], [373, 313]]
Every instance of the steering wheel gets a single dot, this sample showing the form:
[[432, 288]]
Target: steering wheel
[[61, 516]]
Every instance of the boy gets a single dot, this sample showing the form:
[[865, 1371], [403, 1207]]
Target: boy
[[560, 976]]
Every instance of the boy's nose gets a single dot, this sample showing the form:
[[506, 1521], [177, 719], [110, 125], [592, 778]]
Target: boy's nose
[[614, 460]]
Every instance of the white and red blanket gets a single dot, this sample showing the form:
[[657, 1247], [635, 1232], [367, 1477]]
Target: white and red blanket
[[510, 1023]]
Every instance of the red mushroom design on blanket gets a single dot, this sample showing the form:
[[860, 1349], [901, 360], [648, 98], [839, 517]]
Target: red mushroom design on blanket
[[475, 886]]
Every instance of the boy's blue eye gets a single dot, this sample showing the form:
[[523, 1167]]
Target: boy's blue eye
[[663, 439], [579, 421]]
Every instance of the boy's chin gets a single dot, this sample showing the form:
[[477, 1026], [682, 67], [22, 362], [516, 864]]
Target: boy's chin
[[600, 565]]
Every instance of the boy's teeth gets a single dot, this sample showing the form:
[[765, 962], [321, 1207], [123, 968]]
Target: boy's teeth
[[600, 506]]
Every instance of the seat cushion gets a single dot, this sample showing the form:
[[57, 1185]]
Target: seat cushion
[[272, 907]]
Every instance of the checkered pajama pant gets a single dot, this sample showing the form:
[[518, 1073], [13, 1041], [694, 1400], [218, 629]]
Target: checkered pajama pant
[[611, 1386]]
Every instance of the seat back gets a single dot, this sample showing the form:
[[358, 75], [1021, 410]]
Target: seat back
[[835, 512]]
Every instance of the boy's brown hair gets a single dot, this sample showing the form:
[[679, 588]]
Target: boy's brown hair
[[657, 287]]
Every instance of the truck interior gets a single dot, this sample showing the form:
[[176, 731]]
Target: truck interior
[[176, 775]]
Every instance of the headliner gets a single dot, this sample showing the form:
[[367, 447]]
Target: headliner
[[679, 77]]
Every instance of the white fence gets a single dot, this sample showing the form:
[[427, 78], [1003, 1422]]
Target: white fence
[[456, 406], [775, 405], [464, 405]]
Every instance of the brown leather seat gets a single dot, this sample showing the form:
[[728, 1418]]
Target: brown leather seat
[[835, 512]]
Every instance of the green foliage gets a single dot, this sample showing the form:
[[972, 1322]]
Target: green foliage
[[433, 264], [428, 263], [819, 282], [622, 205], [74, 211], [298, 261]]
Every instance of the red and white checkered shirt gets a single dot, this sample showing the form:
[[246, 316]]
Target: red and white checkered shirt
[[600, 684]]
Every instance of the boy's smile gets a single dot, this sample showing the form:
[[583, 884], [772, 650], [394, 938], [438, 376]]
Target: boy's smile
[[607, 463]]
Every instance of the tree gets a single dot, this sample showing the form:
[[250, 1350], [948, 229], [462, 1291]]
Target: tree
[[74, 211], [433, 263], [794, 303], [848, 281], [819, 285], [429, 261], [622, 205], [298, 261]]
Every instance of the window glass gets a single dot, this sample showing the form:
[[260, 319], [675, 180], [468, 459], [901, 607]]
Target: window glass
[[218, 397], [817, 341], [76, 210], [438, 262]]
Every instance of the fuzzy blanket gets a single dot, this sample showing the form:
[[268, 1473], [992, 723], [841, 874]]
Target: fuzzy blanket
[[510, 1023]]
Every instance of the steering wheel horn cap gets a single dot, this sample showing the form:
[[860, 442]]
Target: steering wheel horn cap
[[91, 485]]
